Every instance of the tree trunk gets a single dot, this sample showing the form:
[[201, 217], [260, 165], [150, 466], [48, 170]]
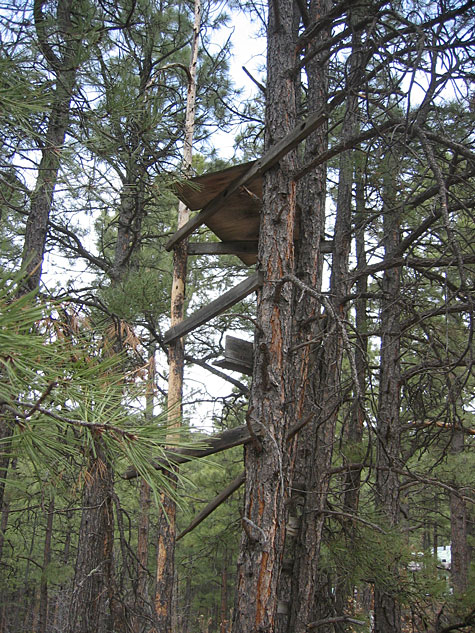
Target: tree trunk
[[458, 527], [43, 613], [164, 603], [308, 605], [354, 434], [387, 611], [65, 70], [267, 468], [89, 604]]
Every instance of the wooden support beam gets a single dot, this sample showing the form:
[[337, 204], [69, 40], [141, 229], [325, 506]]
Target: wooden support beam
[[218, 306], [238, 356], [257, 168], [223, 248], [215, 444], [217, 501], [237, 248], [221, 442]]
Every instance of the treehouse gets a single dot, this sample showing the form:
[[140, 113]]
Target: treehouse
[[229, 202]]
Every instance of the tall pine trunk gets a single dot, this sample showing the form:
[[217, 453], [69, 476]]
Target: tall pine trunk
[[307, 604], [267, 468], [90, 599], [387, 611]]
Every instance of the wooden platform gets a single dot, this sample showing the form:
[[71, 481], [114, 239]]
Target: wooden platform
[[237, 221]]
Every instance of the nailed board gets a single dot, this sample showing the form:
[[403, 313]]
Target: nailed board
[[238, 355], [223, 248], [216, 307], [239, 217], [242, 178]]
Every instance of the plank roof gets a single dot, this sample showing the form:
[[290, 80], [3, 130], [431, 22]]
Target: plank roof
[[239, 218]]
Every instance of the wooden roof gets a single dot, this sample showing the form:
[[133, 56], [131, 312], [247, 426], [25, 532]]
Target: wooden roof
[[238, 220]]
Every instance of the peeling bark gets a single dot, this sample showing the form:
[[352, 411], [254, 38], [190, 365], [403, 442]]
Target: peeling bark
[[267, 483]]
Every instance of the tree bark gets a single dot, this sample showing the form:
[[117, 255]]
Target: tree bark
[[324, 399], [89, 604], [143, 536], [267, 468], [43, 612], [65, 70], [458, 527], [387, 611]]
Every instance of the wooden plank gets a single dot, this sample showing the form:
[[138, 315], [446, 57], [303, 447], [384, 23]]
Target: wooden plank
[[223, 248], [218, 306], [215, 444], [198, 191], [238, 355], [217, 501], [248, 247], [257, 168]]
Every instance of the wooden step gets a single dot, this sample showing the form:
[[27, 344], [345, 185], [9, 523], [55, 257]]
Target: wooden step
[[238, 356], [216, 307]]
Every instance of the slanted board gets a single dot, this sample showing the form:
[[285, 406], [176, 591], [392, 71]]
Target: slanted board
[[197, 192], [218, 306], [238, 355]]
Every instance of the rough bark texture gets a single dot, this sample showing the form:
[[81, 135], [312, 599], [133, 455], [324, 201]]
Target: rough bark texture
[[164, 594], [43, 612], [387, 612], [458, 527], [306, 325], [354, 434], [64, 69], [142, 558], [356, 422], [324, 396], [89, 604], [267, 485]]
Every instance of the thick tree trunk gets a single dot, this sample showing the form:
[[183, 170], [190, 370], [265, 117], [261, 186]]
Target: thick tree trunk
[[307, 604], [267, 468], [89, 604], [387, 611]]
